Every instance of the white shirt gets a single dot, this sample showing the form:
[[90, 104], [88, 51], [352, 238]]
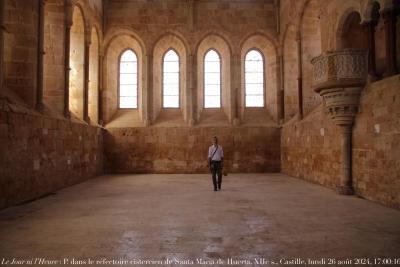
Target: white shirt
[[219, 154]]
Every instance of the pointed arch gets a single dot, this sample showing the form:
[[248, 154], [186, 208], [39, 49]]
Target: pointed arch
[[116, 46], [219, 44], [128, 79], [212, 79], [270, 73], [162, 46], [170, 79], [254, 82]]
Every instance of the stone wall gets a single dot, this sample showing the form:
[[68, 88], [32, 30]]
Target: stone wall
[[376, 146], [192, 18], [40, 154], [20, 48], [184, 149], [193, 28], [311, 147]]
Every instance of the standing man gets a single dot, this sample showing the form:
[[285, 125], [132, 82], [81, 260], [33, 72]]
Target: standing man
[[216, 162]]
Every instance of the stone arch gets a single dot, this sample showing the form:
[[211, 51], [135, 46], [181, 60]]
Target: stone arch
[[368, 7], [115, 32], [96, 26], [164, 44], [310, 35], [224, 37], [265, 35], [177, 35], [290, 72], [347, 13], [350, 23], [76, 55], [268, 51], [221, 46], [380, 35], [115, 47], [93, 93]]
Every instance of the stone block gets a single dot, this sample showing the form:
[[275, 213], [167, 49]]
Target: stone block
[[3, 131]]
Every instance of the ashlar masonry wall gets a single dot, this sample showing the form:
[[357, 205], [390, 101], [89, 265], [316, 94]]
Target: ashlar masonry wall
[[40, 154], [311, 147], [184, 149]]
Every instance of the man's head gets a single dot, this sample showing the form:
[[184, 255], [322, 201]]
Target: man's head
[[215, 140]]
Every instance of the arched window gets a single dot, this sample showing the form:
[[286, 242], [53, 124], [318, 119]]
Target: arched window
[[212, 80], [171, 80], [254, 79], [128, 80]]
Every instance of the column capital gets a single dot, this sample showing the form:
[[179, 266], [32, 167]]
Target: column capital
[[369, 23], [388, 16], [68, 15], [387, 11]]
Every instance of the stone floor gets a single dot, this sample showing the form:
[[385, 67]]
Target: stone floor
[[256, 217]]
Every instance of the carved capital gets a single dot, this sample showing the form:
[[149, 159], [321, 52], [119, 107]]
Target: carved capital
[[342, 104]]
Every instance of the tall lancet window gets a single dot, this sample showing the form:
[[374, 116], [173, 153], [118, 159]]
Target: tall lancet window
[[254, 79], [128, 80], [171, 80], [212, 80]]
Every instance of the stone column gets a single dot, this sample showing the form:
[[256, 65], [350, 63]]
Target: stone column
[[236, 74], [339, 77], [277, 8], [86, 63], [346, 183], [67, 69], [40, 54], [369, 28], [191, 15], [300, 78], [147, 94], [194, 90], [281, 93], [389, 18], [190, 90], [101, 87], [2, 30]]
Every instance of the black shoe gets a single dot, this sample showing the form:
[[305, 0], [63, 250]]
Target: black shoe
[[215, 189]]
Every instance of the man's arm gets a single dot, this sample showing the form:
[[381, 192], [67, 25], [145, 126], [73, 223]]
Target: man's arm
[[209, 158], [222, 158]]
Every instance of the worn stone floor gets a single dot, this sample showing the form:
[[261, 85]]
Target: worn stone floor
[[256, 218]]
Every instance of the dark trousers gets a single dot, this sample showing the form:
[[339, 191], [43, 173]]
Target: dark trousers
[[216, 170]]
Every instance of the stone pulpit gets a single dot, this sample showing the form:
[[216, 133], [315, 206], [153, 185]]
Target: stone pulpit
[[339, 77]]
